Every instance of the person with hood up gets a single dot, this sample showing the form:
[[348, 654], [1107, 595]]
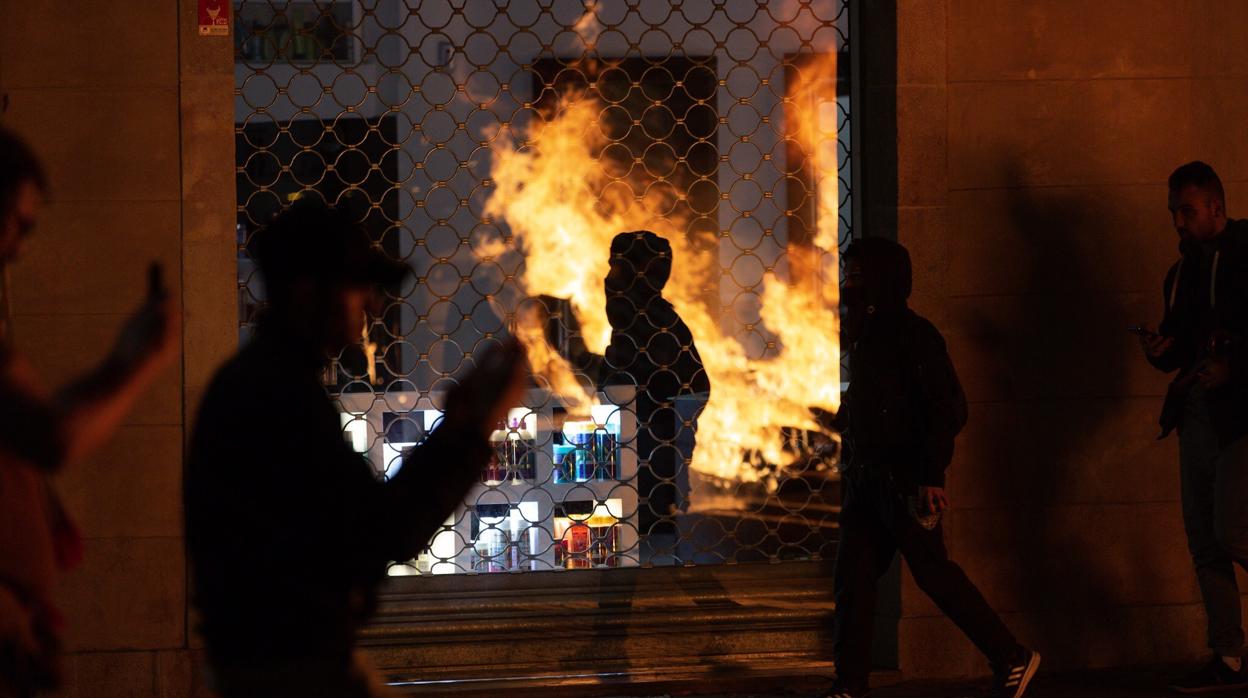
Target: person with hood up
[[903, 409], [652, 348]]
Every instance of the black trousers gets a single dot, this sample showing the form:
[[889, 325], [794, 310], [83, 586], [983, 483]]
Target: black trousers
[[1215, 517], [875, 525]]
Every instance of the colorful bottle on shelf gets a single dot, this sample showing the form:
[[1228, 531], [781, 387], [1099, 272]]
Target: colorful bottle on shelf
[[492, 540], [496, 469], [267, 41], [280, 30], [572, 535], [607, 465], [562, 463], [528, 471], [301, 43], [603, 539], [584, 464], [521, 451]]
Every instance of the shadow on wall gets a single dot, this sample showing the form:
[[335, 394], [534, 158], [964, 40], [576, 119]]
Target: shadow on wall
[[1052, 359]]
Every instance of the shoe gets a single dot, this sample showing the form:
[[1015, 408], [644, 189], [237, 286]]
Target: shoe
[[1010, 681], [1212, 677], [840, 690]]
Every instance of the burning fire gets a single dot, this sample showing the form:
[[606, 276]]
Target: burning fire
[[564, 209]]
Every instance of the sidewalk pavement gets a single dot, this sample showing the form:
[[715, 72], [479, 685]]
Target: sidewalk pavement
[[1127, 682]]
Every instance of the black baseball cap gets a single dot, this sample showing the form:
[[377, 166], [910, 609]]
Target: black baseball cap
[[311, 239]]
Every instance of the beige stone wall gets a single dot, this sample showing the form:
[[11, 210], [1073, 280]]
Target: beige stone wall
[[98, 89], [1034, 142]]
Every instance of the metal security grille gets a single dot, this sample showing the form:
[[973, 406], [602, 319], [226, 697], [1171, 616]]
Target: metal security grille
[[500, 148]]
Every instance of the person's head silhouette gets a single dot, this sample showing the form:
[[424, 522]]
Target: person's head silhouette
[[319, 269], [22, 186], [641, 263], [878, 278]]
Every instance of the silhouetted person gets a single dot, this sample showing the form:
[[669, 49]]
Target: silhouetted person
[[1203, 337], [41, 433], [652, 348], [289, 530], [901, 413]]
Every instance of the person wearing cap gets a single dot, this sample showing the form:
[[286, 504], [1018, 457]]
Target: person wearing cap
[[289, 530], [44, 432]]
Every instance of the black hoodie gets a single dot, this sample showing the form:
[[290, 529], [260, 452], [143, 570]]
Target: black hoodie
[[904, 405], [1206, 293]]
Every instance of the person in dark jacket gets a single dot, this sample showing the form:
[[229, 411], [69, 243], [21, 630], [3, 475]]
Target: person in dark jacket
[[652, 348], [288, 529], [903, 409], [1203, 337]]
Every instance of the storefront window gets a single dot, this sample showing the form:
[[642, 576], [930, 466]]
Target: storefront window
[[501, 149]]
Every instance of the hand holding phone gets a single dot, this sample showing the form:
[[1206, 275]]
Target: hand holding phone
[[1153, 344], [149, 337], [485, 394]]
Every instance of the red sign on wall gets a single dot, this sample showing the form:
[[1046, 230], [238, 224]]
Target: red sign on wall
[[214, 17]]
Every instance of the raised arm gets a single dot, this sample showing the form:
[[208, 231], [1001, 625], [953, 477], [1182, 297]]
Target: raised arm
[[51, 430], [437, 474], [91, 408]]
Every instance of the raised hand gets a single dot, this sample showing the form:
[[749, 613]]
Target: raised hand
[[149, 337], [483, 397], [1153, 344]]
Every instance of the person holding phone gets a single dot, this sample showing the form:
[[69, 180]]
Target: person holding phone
[[901, 414], [1202, 340], [289, 530], [42, 432]]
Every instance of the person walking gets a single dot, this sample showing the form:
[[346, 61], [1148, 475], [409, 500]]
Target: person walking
[[289, 530], [903, 409]]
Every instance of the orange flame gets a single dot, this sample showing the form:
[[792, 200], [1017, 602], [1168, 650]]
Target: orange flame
[[550, 191], [575, 392]]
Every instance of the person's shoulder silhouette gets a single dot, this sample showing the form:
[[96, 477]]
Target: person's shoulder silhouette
[[649, 340]]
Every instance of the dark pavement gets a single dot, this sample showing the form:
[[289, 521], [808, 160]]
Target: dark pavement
[[1130, 682]]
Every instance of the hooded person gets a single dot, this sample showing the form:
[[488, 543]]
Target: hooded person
[[653, 349], [899, 418]]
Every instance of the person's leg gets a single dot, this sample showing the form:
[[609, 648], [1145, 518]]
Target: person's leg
[[864, 552], [310, 677], [954, 593], [1215, 571], [1230, 489], [657, 455]]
